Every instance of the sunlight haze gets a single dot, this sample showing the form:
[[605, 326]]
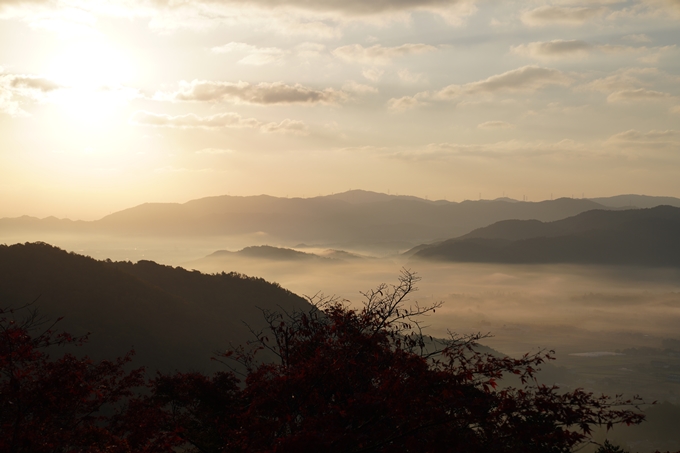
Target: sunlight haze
[[106, 105]]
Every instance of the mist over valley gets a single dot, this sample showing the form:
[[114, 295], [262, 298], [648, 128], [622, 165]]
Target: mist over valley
[[597, 283]]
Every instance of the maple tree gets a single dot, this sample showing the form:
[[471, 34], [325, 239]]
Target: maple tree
[[332, 379], [56, 405], [369, 380]]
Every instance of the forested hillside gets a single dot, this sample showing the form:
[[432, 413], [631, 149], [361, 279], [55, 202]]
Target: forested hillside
[[642, 237], [174, 318]]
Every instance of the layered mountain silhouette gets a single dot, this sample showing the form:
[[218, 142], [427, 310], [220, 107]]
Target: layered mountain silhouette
[[646, 237], [174, 318], [267, 252], [280, 254], [636, 201], [351, 218]]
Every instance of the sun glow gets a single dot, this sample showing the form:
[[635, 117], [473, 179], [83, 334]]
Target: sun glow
[[92, 75], [92, 63]]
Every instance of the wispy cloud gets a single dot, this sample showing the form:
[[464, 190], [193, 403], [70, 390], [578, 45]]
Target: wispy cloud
[[319, 18], [191, 120], [639, 94], [495, 125], [40, 84], [309, 49], [287, 126], [243, 92], [214, 151], [359, 88], [640, 37], [569, 15], [409, 77], [256, 56], [623, 79], [631, 85], [406, 102], [377, 54], [553, 49], [217, 121], [511, 149], [373, 74], [561, 49], [652, 140], [20, 89], [524, 79]]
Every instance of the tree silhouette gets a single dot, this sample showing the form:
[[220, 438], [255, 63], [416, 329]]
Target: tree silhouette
[[368, 380], [55, 405]]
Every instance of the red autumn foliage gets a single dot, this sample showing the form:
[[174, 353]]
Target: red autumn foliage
[[346, 380], [333, 379], [55, 405]]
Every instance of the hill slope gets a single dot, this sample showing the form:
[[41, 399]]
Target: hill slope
[[647, 237], [174, 318]]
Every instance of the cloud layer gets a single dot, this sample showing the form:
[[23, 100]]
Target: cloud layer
[[217, 121], [524, 79], [20, 89], [378, 54], [243, 92]]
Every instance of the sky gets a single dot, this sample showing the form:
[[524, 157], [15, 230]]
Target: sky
[[108, 104]]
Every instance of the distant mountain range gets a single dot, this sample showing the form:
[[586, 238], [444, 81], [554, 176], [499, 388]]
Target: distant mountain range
[[342, 220], [645, 237], [269, 253], [174, 318]]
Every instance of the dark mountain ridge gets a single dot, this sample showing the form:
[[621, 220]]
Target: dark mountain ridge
[[174, 318], [646, 237]]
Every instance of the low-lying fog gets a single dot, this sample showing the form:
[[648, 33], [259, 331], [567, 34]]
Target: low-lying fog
[[566, 307], [623, 317], [571, 309]]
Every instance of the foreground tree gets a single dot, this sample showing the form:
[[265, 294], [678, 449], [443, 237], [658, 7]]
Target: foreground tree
[[368, 380], [55, 405]]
